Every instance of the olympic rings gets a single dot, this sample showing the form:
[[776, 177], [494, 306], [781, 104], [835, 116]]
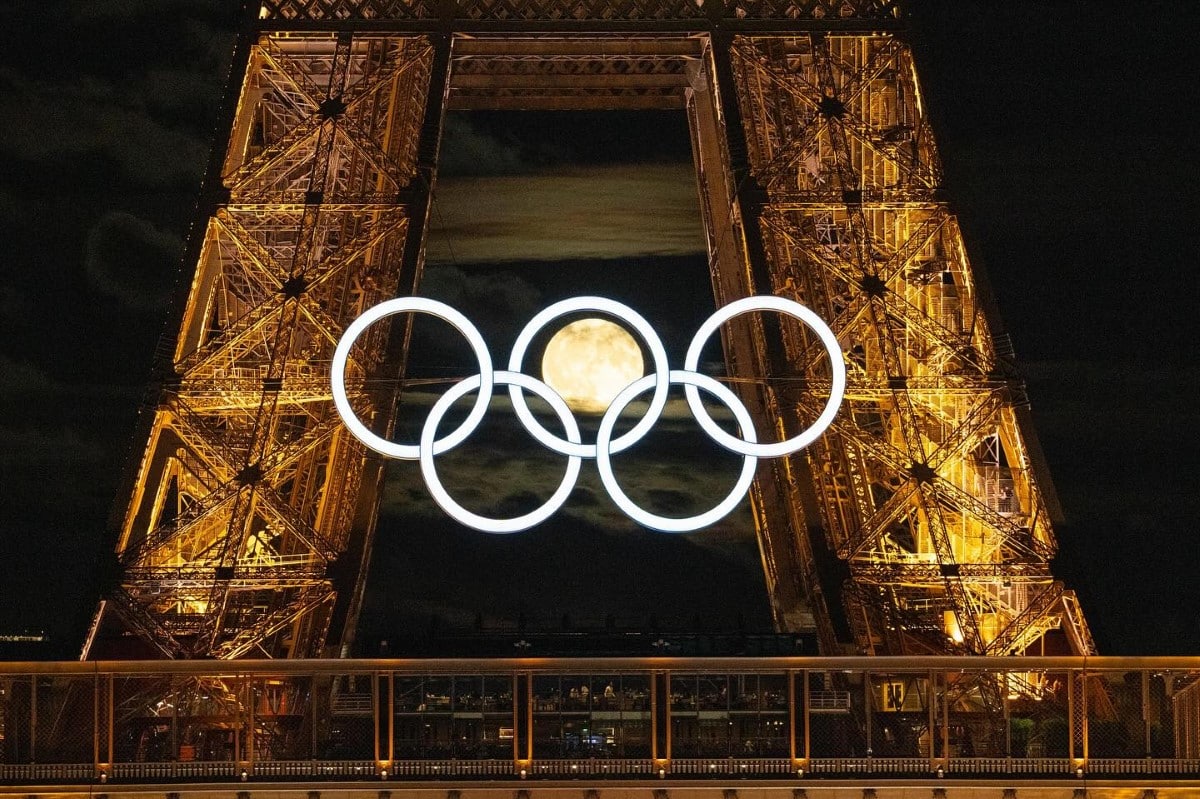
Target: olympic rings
[[606, 446]]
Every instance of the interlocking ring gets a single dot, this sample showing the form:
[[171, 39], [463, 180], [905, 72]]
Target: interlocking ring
[[658, 354], [572, 446], [604, 454], [836, 392], [411, 452], [443, 498]]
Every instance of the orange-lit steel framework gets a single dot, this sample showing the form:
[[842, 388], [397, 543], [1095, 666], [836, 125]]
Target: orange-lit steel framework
[[920, 524]]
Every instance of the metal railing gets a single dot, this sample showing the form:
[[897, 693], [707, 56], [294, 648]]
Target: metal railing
[[605, 718]]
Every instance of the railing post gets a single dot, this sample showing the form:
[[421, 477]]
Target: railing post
[[1146, 726], [239, 723], [111, 711], [33, 713], [869, 725], [805, 693], [96, 725], [660, 718], [945, 686], [174, 726], [1004, 678], [375, 700], [931, 704], [312, 717], [522, 720], [798, 738], [1077, 726], [252, 702], [391, 717]]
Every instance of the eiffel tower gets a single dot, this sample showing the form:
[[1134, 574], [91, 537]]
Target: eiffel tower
[[921, 522]]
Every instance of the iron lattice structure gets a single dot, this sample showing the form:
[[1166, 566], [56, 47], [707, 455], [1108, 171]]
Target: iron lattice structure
[[919, 524]]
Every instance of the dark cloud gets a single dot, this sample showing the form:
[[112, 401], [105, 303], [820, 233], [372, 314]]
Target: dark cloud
[[132, 261], [669, 503], [94, 119], [127, 10], [470, 151], [494, 301], [598, 211]]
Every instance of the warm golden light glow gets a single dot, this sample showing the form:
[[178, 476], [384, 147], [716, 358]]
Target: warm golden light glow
[[588, 362]]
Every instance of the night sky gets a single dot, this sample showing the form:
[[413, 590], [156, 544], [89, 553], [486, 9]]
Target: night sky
[[1066, 132]]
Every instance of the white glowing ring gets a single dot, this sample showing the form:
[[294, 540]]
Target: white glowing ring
[[658, 354], [485, 523], [411, 452], [836, 392], [604, 456]]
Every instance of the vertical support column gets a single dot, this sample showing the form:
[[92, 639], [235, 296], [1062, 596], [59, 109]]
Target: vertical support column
[[945, 722], [314, 692], [239, 721], [33, 715], [868, 714], [1146, 725], [799, 721], [390, 708], [376, 716], [239, 727], [109, 709], [1077, 718], [931, 706], [1004, 683], [522, 720], [96, 725], [251, 724], [660, 718]]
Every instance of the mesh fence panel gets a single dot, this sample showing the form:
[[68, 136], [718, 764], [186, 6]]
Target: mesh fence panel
[[345, 710], [65, 719], [16, 718]]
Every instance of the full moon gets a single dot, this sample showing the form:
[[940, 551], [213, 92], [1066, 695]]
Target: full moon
[[588, 363]]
